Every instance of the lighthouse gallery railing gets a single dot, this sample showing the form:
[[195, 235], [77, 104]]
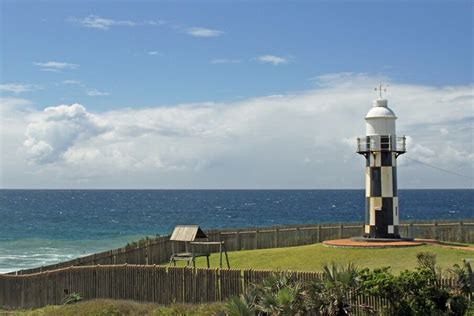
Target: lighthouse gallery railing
[[381, 143]]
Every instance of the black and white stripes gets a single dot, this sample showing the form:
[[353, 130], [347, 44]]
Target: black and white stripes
[[382, 216], [381, 147]]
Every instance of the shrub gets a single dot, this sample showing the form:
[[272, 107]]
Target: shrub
[[72, 298], [280, 294], [333, 294], [240, 306], [141, 242], [464, 278], [418, 292]]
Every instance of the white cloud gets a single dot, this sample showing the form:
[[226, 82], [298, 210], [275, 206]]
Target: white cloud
[[155, 22], [281, 141], [153, 53], [203, 32], [72, 82], [96, 93], [52, 131], [97, 22], [55, 66], [272, 59], [100, 23], [225, 61], [344, 78], [18, 88], [444, 131], [8, 104]]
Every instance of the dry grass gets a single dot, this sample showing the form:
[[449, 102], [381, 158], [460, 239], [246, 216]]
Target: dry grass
[[103, 307]]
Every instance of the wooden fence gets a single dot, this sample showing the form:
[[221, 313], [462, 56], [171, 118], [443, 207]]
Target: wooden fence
[[145, 283], [158, 250]]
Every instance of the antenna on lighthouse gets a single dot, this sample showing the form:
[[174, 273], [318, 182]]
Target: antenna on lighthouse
[[381, 88]]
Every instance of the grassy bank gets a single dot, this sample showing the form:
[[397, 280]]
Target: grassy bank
[[119, 307], [125, 308], [312, 257]]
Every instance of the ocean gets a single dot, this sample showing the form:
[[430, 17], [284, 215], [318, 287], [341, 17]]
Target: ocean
[[41, 227]]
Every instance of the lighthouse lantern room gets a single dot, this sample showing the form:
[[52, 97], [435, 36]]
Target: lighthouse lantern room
[[381, 147]]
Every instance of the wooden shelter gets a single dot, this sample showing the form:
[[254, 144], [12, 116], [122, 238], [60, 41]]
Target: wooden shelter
[[196, 244], [187, 233]]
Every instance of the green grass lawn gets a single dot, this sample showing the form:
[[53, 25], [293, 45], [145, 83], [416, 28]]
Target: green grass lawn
[[312, 257]]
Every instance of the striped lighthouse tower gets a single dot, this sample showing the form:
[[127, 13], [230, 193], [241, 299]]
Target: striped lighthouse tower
[[381, 147]]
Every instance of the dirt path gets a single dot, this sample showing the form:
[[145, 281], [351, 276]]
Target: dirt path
[[445, 244]]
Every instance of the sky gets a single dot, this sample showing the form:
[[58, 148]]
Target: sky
[[230, 94]]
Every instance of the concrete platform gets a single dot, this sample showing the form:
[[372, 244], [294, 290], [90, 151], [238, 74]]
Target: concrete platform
[[381, 239], [350, 243]]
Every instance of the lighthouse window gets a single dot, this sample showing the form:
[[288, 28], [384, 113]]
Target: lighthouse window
[[385, 142]]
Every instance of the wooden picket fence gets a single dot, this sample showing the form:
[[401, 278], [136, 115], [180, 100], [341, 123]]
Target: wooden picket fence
[[158, 250], [146, 283]]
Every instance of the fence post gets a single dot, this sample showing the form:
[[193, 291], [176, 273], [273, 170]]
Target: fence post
[[435, 228], [238, 241], [340, 230], [410, 230], [319, 233], [297, 236], [461, 232], [277, 232], [256, 239], [146, 252]]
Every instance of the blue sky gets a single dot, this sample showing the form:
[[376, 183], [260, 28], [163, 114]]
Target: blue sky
[[230, 94], [414, 42]]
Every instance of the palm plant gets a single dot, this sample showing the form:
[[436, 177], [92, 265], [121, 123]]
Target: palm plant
[[279, 294], [333, 294], [464, 278], [72, 298], [285, 300], [463, 288], [238, 306]]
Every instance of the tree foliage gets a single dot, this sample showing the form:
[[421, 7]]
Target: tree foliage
[[411, 293], [419, 291]]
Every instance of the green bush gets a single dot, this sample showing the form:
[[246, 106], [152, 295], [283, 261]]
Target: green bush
[[280, 294], [464, 278], [332, 295], [411, 293], [72, 298], [418, 292]]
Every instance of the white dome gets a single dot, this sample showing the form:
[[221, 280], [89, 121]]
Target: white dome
[[380, 120], [380, 110]]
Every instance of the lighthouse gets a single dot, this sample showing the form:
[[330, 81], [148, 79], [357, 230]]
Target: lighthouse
[[381, 147]]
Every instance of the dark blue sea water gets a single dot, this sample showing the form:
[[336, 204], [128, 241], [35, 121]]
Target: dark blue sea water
[[40, 227]]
